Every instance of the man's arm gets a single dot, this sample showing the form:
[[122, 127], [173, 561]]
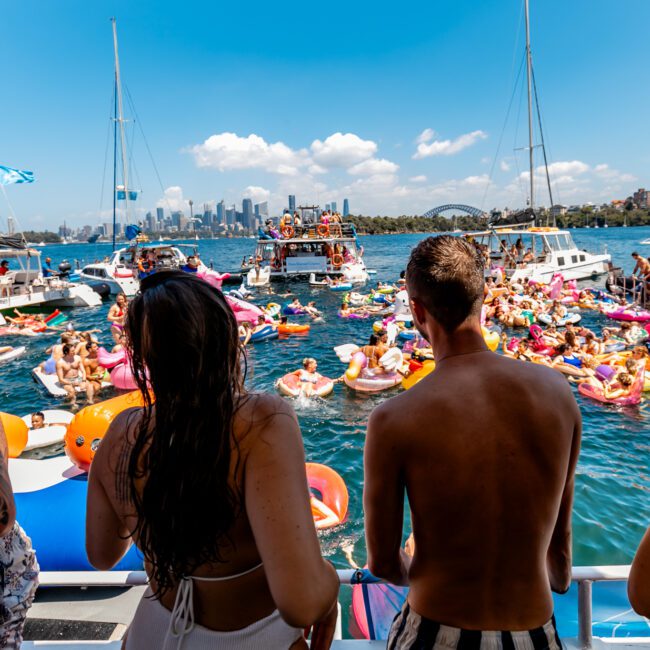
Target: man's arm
[[7, 503], [638, 586], [59, 373], [558, 558], [383, 501]]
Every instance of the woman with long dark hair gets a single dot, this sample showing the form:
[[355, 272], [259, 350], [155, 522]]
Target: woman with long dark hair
[[209, 482]]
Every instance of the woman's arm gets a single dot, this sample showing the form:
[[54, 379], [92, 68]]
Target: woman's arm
[[638, 586], [7, 503], [303, 585]]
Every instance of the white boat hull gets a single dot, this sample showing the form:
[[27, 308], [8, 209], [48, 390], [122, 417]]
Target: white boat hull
[[595, 267]]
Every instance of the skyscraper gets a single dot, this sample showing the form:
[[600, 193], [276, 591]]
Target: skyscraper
[[160, 217], [221, 213], [328, 207], [262, 210], [333, 206], [248, 220], [292, 203], [346, 208]]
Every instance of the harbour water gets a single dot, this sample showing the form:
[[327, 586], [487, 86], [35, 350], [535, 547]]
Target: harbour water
[[612, 508]]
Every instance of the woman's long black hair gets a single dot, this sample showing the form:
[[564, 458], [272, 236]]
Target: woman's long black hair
[[184, 347]]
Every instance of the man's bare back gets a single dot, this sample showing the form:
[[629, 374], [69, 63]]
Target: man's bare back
[[485, 448]]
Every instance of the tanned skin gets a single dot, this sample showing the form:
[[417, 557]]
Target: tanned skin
[[7, 504], [638, 586], [485, 448]]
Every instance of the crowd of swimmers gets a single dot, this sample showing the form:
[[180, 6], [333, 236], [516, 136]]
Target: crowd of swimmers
[[233, 557]]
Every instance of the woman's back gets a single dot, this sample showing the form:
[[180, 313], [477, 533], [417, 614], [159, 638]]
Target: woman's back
[[209, 482]]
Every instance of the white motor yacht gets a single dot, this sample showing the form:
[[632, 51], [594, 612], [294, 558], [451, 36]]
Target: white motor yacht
[[538, 254], [25, 286]]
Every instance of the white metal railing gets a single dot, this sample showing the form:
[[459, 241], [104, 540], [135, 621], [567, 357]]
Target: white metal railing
[[584, 576]]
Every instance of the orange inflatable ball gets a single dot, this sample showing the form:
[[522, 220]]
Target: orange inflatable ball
[[90, 425], [16, 432]]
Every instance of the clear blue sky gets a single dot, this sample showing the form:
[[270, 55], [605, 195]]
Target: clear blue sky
[[294, 74]]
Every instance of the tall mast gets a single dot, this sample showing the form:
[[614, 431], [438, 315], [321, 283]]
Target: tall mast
[[120, 120], [114, 161], [529, 66]]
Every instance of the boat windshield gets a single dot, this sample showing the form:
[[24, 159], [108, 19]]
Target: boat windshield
[[560, 242]]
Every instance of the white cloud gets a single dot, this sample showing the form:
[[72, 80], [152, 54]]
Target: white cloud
[[373, 166], [173, 199], [576, 167], [225, 151], [505, 166], [256, 193], [418, 179], [426, 136], [342, 150], [317, 169], [607, 173], [448, 147]]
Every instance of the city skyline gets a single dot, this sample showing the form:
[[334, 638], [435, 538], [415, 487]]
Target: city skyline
[[413, 116]]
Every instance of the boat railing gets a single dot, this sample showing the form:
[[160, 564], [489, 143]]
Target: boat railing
[[319, 231], [584, 576]]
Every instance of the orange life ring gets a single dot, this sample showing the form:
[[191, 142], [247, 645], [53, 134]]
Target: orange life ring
[[125, 273], [287, 232], [90, 424], [337, 260], [333, 491], [323, 230]]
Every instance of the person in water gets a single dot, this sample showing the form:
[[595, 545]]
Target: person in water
[[242, 569], [308, 376], [117, 314], [490, 506], [17, 559], [38, 420], [70, 372]]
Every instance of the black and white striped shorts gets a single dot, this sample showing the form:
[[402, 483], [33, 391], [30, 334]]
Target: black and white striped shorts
[[410, 631]]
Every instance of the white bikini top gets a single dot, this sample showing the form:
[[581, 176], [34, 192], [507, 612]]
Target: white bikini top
[[181, 621]]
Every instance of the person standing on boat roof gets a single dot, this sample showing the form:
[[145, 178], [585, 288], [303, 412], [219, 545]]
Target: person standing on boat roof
[[191, 266], [48, 271], [486, 448]]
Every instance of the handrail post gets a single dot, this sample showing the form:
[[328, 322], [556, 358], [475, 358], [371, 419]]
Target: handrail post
[[584, 614]]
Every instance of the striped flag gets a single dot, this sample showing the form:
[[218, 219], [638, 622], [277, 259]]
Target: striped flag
[[9, 176]]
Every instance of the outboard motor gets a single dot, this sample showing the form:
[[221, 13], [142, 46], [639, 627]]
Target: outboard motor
[[64, 268]]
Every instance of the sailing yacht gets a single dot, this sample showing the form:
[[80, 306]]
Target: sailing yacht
[[548, 250]]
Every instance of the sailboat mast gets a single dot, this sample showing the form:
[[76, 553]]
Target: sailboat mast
[[120, 119], [114, 161], [529, 66]]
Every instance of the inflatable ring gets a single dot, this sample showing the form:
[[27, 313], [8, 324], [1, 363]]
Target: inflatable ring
[[287, 232], [418, 374], [333, 494], [337, 260], [90, 424], [323, 230], [16, 432], [293, 328], [291, 386]]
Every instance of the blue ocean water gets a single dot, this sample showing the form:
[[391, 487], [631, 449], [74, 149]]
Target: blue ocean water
[[612, 508]]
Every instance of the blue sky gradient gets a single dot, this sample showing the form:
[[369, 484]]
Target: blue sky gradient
[[297, 72]]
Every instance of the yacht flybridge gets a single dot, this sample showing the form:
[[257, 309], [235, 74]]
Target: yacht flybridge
[[316, 248], [537, 254]]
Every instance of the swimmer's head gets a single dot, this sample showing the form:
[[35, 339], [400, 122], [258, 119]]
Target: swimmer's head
[[310, 364], [625, 379], [38, 420]]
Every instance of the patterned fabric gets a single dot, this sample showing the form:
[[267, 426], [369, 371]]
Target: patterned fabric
[[410, 631], [18, 580], [9, 175]]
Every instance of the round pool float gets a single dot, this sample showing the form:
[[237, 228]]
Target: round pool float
[[370, 381], [331, 492], [633, 399], [293, 328], [291, 386], [273, 309], [547, 319], [628, 314]]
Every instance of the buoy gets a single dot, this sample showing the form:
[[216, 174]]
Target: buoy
[[90, 424]]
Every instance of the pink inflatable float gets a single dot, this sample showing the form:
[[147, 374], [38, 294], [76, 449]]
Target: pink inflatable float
[[632, 399], [213, 278], [245, 311], [628, 314], [121, 373], [110, 359]]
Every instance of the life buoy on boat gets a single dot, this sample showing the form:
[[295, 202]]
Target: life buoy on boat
[[124, 273], [323, 230], [287, 232], [337, 260]]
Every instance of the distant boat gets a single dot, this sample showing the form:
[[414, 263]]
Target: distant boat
[[93, 238], [646, 241], [42, 243]]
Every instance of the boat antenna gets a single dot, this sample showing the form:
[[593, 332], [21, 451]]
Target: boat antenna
[[529, 69], [120, 120]]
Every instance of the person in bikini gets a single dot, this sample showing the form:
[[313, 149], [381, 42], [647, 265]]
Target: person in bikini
[[71, 373], [243, 569], [94, 371], [490, 506], [117, 314]]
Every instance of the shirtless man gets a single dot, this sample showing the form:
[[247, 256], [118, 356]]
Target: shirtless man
[[94, 372], [71, 373], [486, 449], [642, 266]]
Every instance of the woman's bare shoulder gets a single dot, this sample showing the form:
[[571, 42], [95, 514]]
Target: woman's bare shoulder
[[261, 413]]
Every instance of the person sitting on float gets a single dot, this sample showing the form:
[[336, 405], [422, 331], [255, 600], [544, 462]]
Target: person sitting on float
[[559, 312], [245, 332], [191, 266], [311, 309], [260, 325], [376, 348]]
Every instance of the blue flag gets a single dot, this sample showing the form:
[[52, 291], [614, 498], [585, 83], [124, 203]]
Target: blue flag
[[121, 194], [9, 176]]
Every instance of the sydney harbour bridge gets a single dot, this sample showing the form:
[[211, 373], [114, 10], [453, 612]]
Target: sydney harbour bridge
[[468, 209]]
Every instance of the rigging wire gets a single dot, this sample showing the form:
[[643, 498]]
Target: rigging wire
[[503, 129], [541, 133], [108, 139]]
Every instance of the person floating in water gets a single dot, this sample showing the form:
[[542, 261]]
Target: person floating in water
[[488, 448]]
